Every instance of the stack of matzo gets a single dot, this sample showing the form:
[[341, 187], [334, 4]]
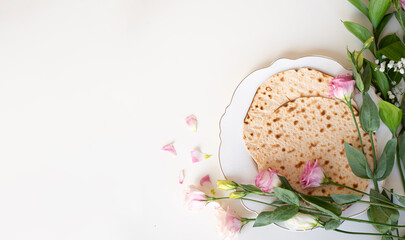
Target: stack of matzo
[[291, 121]]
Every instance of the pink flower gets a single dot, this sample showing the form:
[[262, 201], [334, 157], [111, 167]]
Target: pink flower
[[205, 179], [342, 87], [402, 4], [181, 176], [169, 148], [195, 199], [312, 176], [197, 156], [228, 223], [267, 180], [191, 122]]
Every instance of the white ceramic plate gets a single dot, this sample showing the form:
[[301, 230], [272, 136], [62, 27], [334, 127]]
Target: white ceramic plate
[[235, 161]]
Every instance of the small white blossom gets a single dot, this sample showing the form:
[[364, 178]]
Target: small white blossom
[[401, 71], [382, 69], [399, 64], [383, 56], [377, 61], [391, 64]]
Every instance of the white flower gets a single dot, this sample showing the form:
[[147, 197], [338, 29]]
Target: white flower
[[401, 71], [382, 69], [377, 61], [302, 222], [403, 61], [391, 64], [399, 64]]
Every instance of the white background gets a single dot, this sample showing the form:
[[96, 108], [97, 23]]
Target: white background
[[90, 90]]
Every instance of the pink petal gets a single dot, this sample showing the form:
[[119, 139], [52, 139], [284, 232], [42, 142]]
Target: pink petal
[[170, 148], [197, 156], [205, 179], [181, 176], [191, 122]]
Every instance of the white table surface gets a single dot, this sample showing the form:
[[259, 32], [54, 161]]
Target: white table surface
[[90, 90]]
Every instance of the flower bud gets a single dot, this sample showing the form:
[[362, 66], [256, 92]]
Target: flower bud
[[342, 87], [237, 194], [302, 222], [312, 176], [267, 180], [226, 185]]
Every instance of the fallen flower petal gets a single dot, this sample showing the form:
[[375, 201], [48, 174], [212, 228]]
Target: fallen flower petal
[[191, 122], [170, 148], [181, 176], [197, 156], [205, 179]]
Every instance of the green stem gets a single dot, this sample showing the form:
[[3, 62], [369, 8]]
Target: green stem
[[374, 160], [349, 104], [371, 234], [356, 190], [371, 222], [382, 205], [400, 167]]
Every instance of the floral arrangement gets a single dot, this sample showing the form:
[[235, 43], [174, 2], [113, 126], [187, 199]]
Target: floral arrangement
[[299, 211]]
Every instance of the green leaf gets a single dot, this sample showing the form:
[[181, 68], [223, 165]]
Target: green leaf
[[360, 5], [285, 183], [389, 39], [400, 15], [381, 214], [279, 214], [400, 198], [380, 81], [362, 33], [366, 76], [395, 51], [345, 198], [390, 115], [332, 224], [357, 77], [387, 160], [331, 209], [287, 196], [377, 10], [369, 118], [250, 188], [382, 25], [357, 161]]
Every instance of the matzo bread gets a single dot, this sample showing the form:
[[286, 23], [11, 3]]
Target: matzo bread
[[275, 91], [310, 128]]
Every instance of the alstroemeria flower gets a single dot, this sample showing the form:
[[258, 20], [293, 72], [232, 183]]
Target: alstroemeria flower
[[342, 87], [312, 176], [302, 222], [267, 180], [205, 179], [191, 122], [197, 156], [181, 176], [228, 223], [195, 199], [402, 4], [169, 148]]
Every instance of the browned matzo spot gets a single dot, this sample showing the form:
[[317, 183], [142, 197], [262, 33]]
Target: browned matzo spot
[[295, 122], [251, 134], [318, 107], [336, 103], [278, 135], [340, 188], [270, 132], [323, 190], [326, 162], [319, 79], [355, 185], [276, 119], [246, 122], [276, 145], [283, 149], [270, 96], [293, 150], [282, 167], [268, 124], [329, 125], [328, 117], [301, 128], [261, 108], [301, 155], [291, 109], [322, 130], [268, 89], [303, 110], [323, 112], [282, 79], [299, 137], [298, 165]]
